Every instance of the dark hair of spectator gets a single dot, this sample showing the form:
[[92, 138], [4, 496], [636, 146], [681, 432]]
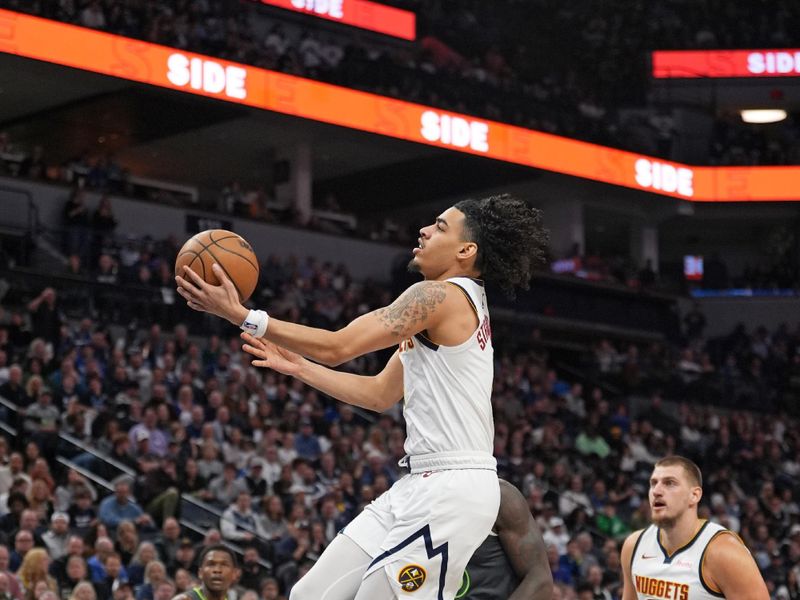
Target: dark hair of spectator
[[692, 470], [511, 239], [219, 548]]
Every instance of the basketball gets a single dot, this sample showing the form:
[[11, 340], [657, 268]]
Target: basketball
[[229, 250]]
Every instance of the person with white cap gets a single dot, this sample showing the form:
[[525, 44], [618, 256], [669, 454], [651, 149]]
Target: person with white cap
[[557, 534], [56, 537]]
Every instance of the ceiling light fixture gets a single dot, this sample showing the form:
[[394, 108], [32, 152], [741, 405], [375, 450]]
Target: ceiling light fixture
[[764, 115]]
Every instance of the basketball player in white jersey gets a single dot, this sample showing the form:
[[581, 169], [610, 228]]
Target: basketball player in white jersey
[[683, 557], [415, 539]]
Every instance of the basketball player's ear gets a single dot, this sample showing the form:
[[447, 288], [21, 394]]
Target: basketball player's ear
[[697, 494], [467, 250]]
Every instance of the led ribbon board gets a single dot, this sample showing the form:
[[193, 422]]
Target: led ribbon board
[[134, 60], [691, 64], [358, 13]]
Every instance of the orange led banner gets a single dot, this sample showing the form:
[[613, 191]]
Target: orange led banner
[[134, 60], [358, 13], [690, 64]]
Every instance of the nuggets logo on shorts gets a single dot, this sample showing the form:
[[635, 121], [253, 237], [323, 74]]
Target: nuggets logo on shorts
[[411, 578]]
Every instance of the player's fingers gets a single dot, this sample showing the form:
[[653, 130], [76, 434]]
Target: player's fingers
[[224, 279], [254, 351], [260, 363], [195, 278], [250, 339], [185, 284]]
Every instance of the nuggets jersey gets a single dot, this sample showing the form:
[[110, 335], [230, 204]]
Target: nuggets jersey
[[447, 389], [659, 576]]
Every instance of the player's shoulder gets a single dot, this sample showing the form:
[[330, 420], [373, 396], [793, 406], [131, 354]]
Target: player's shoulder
[[725, 542], [514, 509], [508, 491], [631, 541]]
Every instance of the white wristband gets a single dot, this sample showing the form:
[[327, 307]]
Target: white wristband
[[255, 323]]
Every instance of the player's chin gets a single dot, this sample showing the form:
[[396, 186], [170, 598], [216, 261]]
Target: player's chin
[[414, 266]]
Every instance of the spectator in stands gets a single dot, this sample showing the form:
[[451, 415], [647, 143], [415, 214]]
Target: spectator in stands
[[185, 557], [157, 487], [103, 548], [168, 540], [75, 571], [127, 542], [13, 390], [148, 430], [34, 568], [114, 573], [82, 512], [57, 536], [23, 543], [252, 572], [14, 470], [41, 422], [256, 484], [154, 574], [120, 506], [145, 554], [5, 586], [83, 591], [239, 523], [14, 588], [58, 568], [225, 488]]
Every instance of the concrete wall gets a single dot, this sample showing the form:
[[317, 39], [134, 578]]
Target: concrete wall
[[364, 259]]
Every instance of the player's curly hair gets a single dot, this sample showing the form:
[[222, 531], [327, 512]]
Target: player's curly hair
[[512, 241]]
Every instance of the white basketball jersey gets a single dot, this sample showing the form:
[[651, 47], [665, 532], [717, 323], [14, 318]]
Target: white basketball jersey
[[447, 389], [657, 575]]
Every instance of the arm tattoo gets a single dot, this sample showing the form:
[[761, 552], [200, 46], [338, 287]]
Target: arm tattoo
[[413, 307]]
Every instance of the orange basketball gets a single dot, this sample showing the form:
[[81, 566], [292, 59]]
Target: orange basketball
[[229, 250]]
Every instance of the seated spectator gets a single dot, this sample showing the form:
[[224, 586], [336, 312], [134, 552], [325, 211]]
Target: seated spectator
[[185, 557], [154, 574], [13, 587], [103, 548], [273, 521], [157, 487], [145, 554], [57, 537], [225, 488], [75, 571], [256, 484], [114, 573], [239, 523], [168, 540], [65, 493], [127, 541], [58, 568], [81, 512], [148, 430], [120, 506], [34, 568], [41, 422], [83, 591], [252, 572], [165, 590], [13, 389]]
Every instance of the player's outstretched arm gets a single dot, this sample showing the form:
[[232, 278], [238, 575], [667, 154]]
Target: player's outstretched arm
[[730, 569], [524, 546], [419, 308], [377, 392], [625, 559]]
